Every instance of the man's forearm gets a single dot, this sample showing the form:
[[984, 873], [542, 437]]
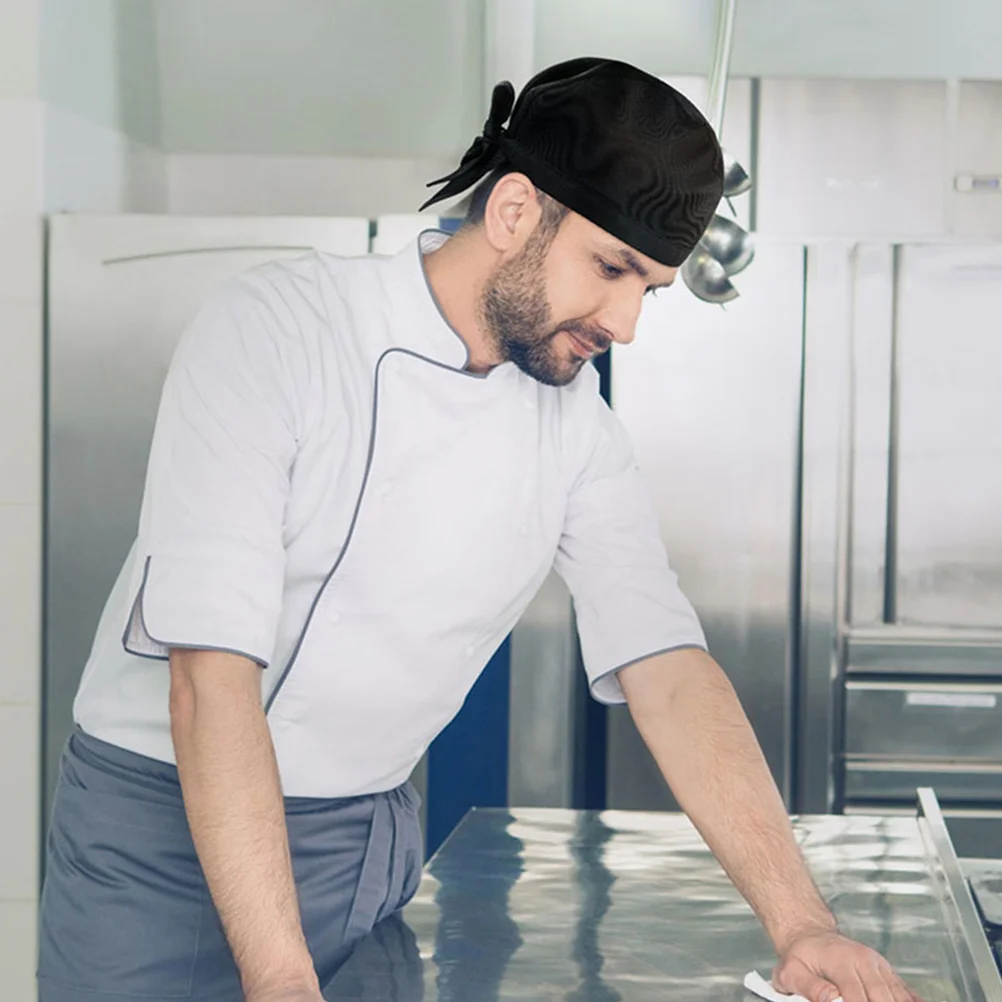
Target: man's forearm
[[691, 719], [233, 798]]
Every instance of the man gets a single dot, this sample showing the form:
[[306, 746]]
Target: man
[[362, 471]]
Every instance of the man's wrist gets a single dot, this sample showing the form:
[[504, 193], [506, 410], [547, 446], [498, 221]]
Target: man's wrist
[[784, 935], [290, 972]]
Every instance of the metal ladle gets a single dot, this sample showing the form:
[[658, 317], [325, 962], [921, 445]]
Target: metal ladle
[[730, 245], [725, 248], [706, 278], [736, 179]]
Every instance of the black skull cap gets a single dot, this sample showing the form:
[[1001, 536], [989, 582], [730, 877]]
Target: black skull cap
[[612, 143]]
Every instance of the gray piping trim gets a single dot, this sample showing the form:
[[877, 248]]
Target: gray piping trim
[[371, 453], [438, 305], [358, 502], [167, 643], [644, 657]]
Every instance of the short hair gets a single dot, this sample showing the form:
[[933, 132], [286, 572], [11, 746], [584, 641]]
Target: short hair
[[553, 211]]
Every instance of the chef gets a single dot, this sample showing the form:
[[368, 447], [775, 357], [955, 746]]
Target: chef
[[362, 471]]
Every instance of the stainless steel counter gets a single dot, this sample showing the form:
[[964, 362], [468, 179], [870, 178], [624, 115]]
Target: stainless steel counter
[[599, 907]]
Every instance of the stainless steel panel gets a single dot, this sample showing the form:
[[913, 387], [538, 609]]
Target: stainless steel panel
[[545, 676], [711, 399], [974, 957], [872, 319], [949, 533], [930, 651], [854, 159], [826, 479], [978, 150], [556, 904], [921, 720], [975, 832], [883, 781], [121, 289]]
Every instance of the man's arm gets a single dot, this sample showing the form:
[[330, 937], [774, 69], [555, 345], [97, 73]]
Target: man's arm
[[689, 716], [233, 799]]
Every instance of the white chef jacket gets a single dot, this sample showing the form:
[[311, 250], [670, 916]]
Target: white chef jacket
[[331, 494]]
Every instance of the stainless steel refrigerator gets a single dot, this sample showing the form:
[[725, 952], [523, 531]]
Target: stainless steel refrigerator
[[826, 459]]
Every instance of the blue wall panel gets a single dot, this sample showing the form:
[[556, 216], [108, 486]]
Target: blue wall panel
[[468, 761]]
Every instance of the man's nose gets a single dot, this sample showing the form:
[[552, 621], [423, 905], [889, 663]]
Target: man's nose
[[620, 316]]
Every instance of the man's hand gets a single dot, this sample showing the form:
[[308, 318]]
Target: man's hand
[[824, 966], [233, 798], [284, 995], [689, 716]]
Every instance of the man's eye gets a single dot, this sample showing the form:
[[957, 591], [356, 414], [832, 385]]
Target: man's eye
[[610, 270]]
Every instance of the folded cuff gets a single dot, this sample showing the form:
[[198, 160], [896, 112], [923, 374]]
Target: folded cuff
[[225, 605]]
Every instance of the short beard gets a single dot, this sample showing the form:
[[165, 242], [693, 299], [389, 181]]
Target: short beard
[[515, 312]]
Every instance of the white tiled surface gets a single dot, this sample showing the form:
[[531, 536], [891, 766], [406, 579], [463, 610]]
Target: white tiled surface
[[21, 256], [21, 144], [20, 465], [19, 48], [20, 401], [18, 949], [20, 604], [19, 793]]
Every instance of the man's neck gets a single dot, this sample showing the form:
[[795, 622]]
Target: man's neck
[[457, 273]]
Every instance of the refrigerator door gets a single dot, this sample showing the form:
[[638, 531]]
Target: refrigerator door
[[711, 399], [948, 460], [121, 289]]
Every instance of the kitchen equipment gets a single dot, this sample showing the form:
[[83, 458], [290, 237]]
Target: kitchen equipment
[[602, 907], [707, 278], [725, 248]]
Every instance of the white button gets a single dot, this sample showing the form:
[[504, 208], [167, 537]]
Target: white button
[[471, 649], [334, 617], [530, 405], [523, 530]]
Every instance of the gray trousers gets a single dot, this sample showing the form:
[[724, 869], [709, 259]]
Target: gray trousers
[[125, 910]]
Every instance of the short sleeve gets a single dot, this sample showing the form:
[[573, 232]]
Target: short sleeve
[[210, 547], [626, 596]]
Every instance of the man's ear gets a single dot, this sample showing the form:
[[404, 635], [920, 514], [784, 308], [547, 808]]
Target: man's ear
[[512, 212]]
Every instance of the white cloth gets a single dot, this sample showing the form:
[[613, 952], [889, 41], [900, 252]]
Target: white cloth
[[754, 982], [328, 488]]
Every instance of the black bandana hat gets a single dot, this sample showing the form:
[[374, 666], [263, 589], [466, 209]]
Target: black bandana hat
[[612, 143]]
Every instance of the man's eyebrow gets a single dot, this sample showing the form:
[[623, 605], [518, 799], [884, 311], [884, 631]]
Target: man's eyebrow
[[633, 263]]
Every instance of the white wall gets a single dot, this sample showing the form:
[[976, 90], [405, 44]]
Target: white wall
[[100, 60], [78, 131], [91, 167], [844, 39], [288, 185], [99, 81], [20, 490], [381, 78]]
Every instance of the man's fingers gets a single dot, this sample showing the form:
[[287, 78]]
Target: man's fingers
[[797, 979], [819, 990], [853, 988], [901, 991]]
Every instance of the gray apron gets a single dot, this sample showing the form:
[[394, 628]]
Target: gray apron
[[125, 910]]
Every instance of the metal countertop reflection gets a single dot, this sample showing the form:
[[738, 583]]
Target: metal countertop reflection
[[600, 907]]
